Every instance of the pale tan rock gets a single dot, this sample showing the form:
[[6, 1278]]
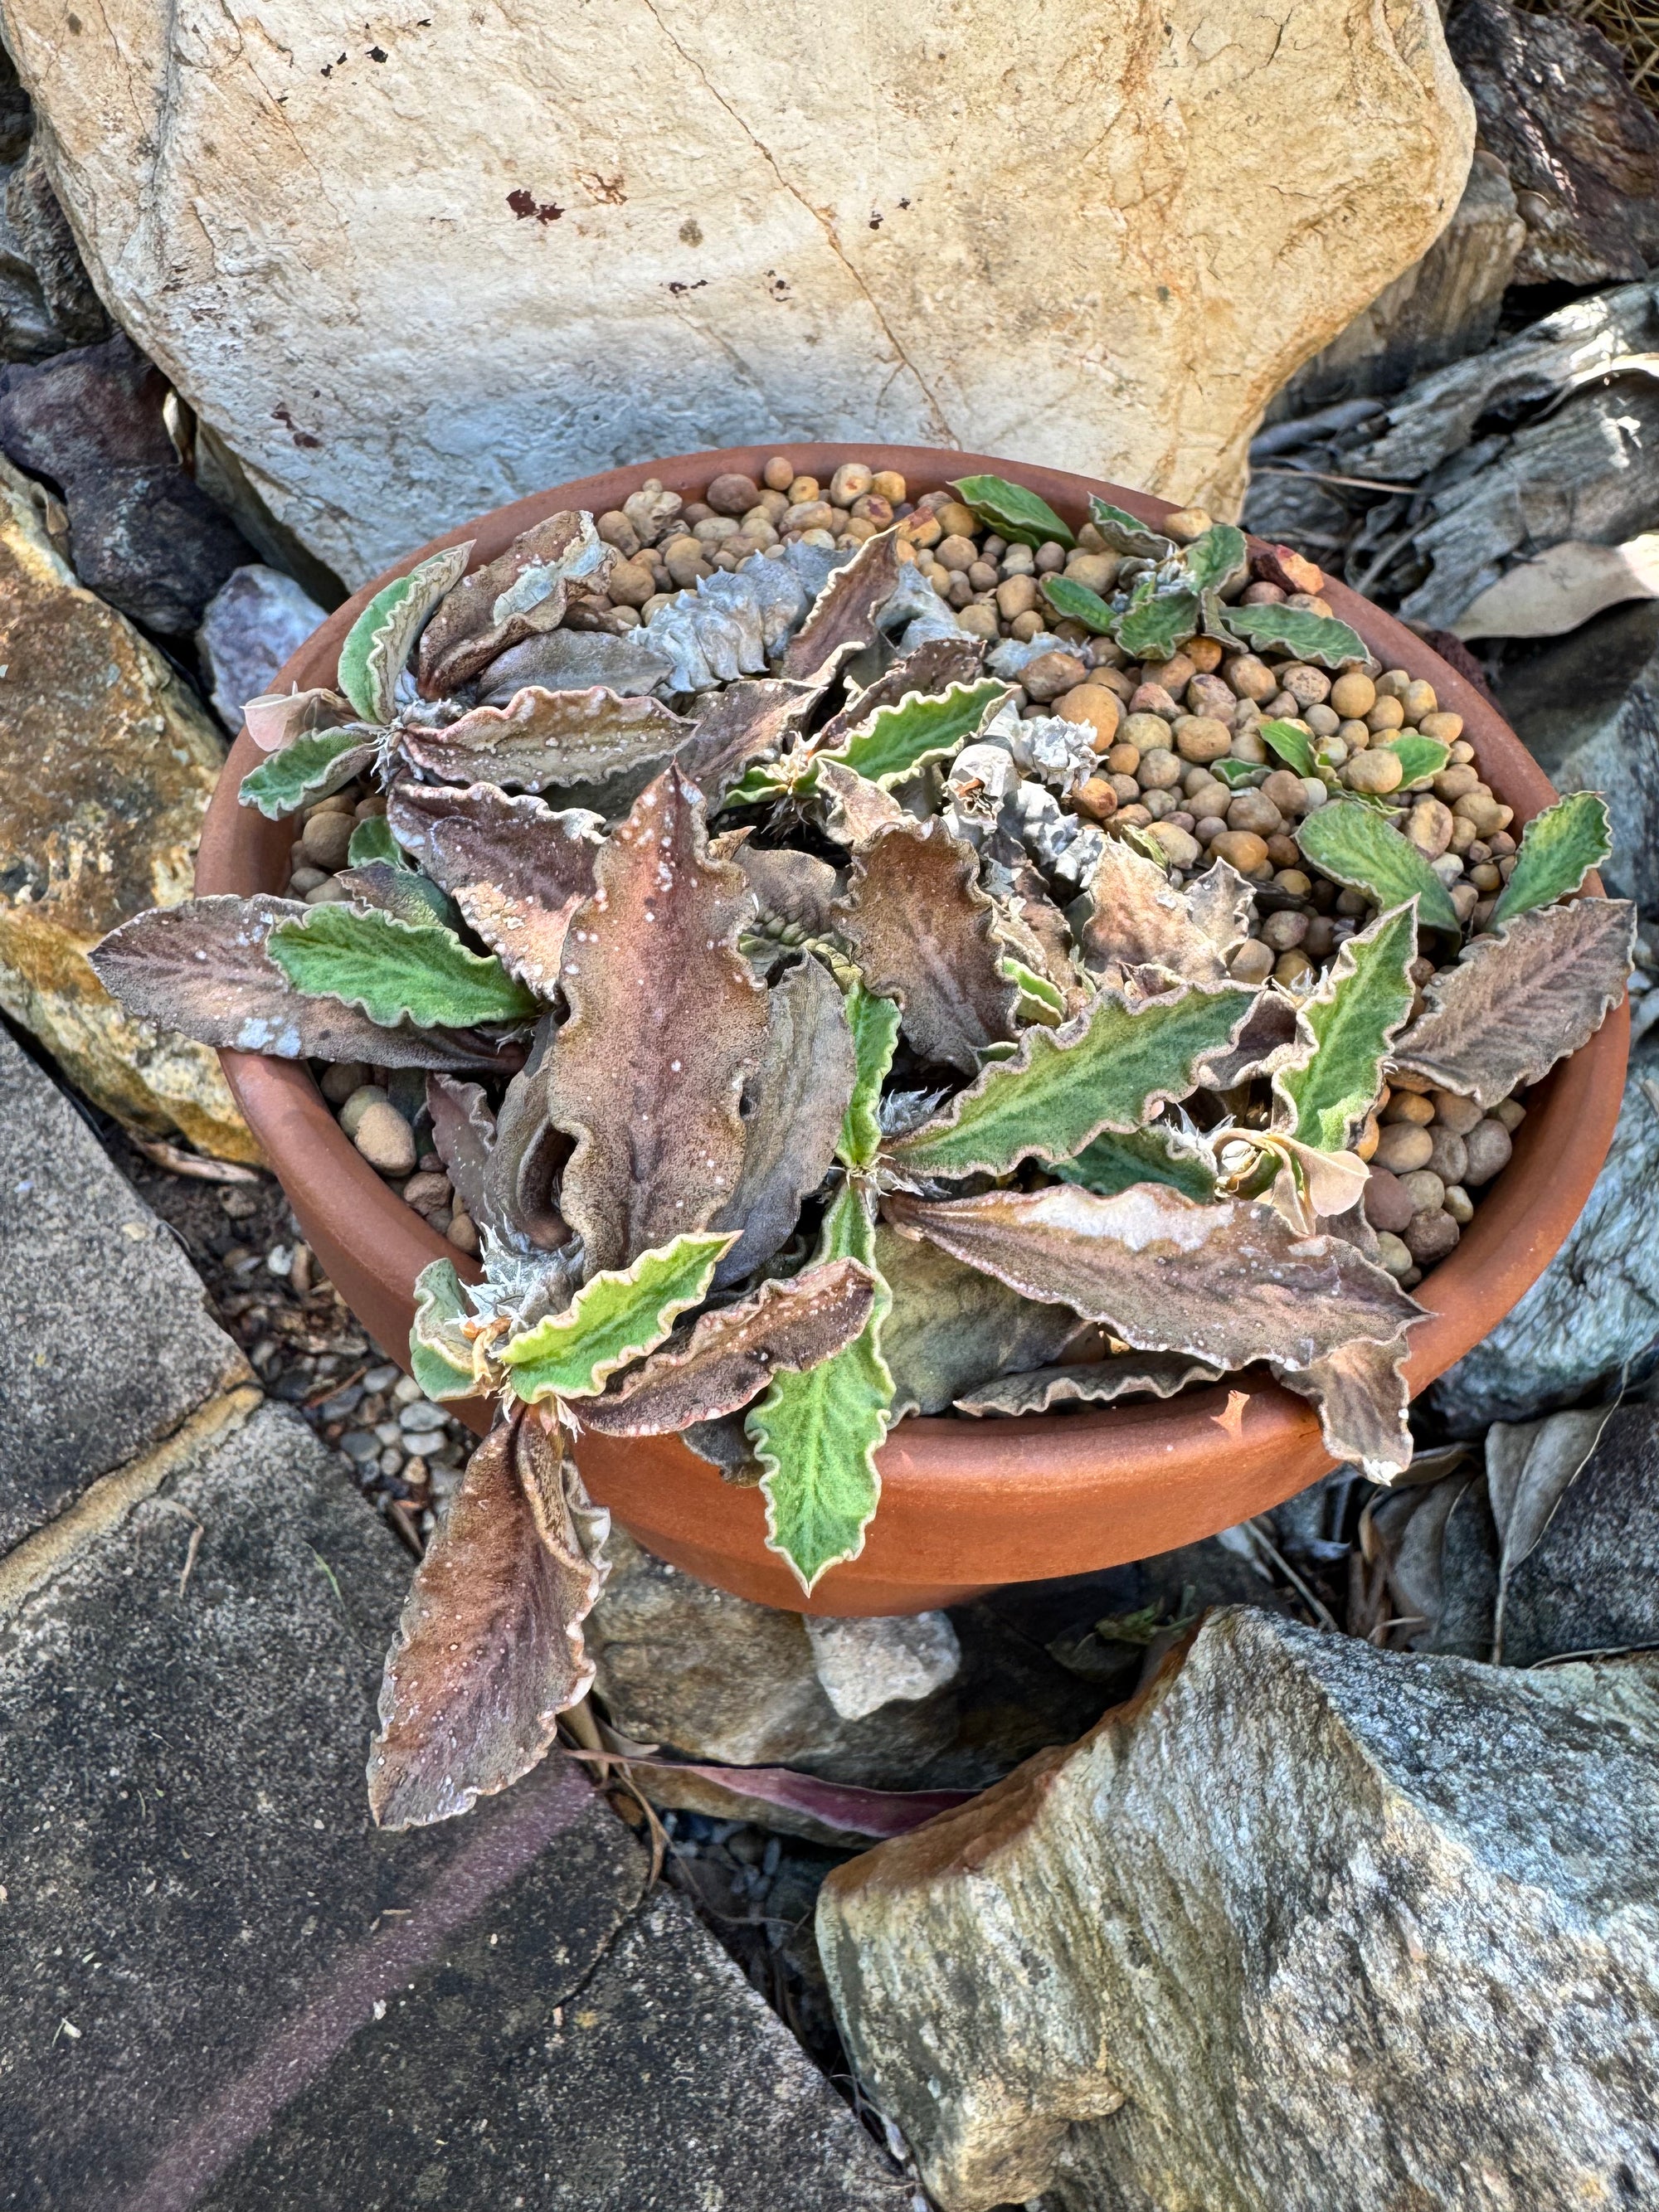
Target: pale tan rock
[[107, 763], [492, 251]]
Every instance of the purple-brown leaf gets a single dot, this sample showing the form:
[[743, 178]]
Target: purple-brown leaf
[[933, 667], [1360, 1391], [470, 625], [490, 1650], [1161, 1373], [525, 1160], [853, 809], [953, 1329], [1140, 919], [463, 1136], [741, 723], [789, 886], [542, 739], [843, 615]]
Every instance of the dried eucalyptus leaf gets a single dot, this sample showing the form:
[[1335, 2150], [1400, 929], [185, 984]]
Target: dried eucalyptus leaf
[[1362, 1003], [275, 719], [440, 1351], [843, 616], [309, 768], [1319, 639], [933, 667], [919, 929], [728, 1357], [617, 1316], [520, 594], [666, 1025], [1013, 512], [463, 1135], [952, 1328], [1161, 1374], [1075, 601], [396, 971], [490, 1650], [1159, 1153], [1158, 622], [1123, 534], [1559, 848], [1140, 919], [1218, 560], [542, 739], [745, 723], [1520, 1000], [578, 660], [379, 642], [1360, 849]]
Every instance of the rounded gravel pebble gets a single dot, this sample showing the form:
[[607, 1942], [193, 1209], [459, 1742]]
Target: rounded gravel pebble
[[1449, 1159], [1387, 1203], [1487, 1150], [1430, 1238], [1402, 1147], [385, 1139], [326, 839]]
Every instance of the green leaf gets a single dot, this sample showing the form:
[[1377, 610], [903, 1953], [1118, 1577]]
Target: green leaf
[[1108, 1067], [1157, 1154], [395, 970], [379, 642], [1235, 774], [616, 1317], [1078, 602], [1156, 627], [439, 1356], [1040, 1000], [1361, 1006], [1123, 534], [372, 840], [875, 1025], [897, 740], [1218, 558], [1319, 639], [758, 786], [311, 768], [1418, 757], [1294, 747], [1559, 848], [1215, 613], [1015, 513], [817, 1434], [1360, 849]]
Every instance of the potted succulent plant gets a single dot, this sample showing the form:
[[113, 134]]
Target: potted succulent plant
[[871, 944]]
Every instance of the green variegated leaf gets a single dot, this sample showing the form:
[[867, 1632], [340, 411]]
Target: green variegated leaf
[[372, 840], [1293, 746], [401, 890], [1358, 848], [1418, 757], [1123, 534], [380, 641], [1359, 1008], [1559, 848], [875, 1026], [897, 740], [1158, 1154], [1156, 627], [1319, 639], [309, 768], [1235, 774], [1016, 513], [617, 1317], [1040, 1000], [1218, 558], [816, 1434], [1108, 1067], [440, 1354], [1078, 602], [395, 970], [1216, 615]]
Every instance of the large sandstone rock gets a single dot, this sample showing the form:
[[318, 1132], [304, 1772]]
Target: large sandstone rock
[[410, 272], [1307, 1925], [107, 763]]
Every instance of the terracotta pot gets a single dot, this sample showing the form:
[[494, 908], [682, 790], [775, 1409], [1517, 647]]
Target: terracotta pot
[[965, 1504]]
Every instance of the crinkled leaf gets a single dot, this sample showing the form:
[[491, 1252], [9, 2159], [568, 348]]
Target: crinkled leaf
[[629, 665], [666, 1025], [1519, 999], [395, 970], [1140, 919], [1012, 512], [851, 810], [1123, 534], [741, 724], [1076, 603], [728, 1357], [1222, 903], [276, 719], [895, 741], [1362, 1003], [463, 1134], [933, 667], [1294, 747], [874, 1023], [542, 740], [520, 594], [843, 616], [1235, 774], [1358, 848], [1158, 623], [1559, 848], [919, 929], [202, 967], [1157, 1153], [794, 888], [439, 1351], [1111, 1067], [1269, 1032], [490, 1650], [308, 768], [1418, 756], [617, 1316], [1161, 1374], [527, 1154], [372, 840], [952, 1328], [1360, 1391], [1219, 559], [1039, 1000], [1319, 639], [816, 1434], [378, 644], [398, 890]]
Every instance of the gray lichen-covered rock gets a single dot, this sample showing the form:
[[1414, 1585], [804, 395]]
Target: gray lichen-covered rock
[[1307, 1925]]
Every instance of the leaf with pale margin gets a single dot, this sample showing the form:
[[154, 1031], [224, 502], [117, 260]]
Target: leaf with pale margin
[[933, 667], [1361, 1395], [202, 967], [439, 1352], [874, 1023], [792, 888], [617, 1317], [1140, 919], [1038, 1000], [310, 767], [1013, 512], [1520, 1000], [520, 594], [1368, 854], [952, 1328], [851, 810], [379, 642], [463, 1136], [398, 890], [1157, 624], [1075, 601], [1157, 1153], [1130, 1374], [542, 740], [395, 970], [522, 1171], [1363, 1001], [1294, 747], [1268, 1033], [843, 616], [666, 1025], [740, 725], [1217, 559], [728, 1357], [1123, 534], [1559, 848], [276, 718], [816, 1434], [1418, 757], [1109, 1069], [895, 741], [490, 1650], [372, 840], [1235, 774], [1319, 639]]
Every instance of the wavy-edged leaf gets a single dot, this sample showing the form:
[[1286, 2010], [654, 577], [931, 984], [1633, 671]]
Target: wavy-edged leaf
[[309, 768], [440, 1351], [920, 931], [1418, 757], [1217, 559], [1123, 534], [398, 890], [1075, 601], [542, 740], [1012, 512], [1140, 919], [1157, 1153], [1319, 639], [521, 1173], [895, 741], [396, 971], [794, 888], [463, 1136], [874, 1023], [617, 1317], [1130, 1374], [666, 1025], [1361, 1393], [740, 725], [1111, 1067], [379, 642], [520, 594], [728, 1357], [1269, 1032], [1361, 1005], [816, 1434], [951, 1328], [853, 809], [275, 719], [1158, 623], [1360, 849], [1559, 848], [842, 617], [202, 967], [489, 1650], [1038, 999], [1519, 999], [932, 667], [372, 840], [1235, 774], [630, 665], [1294, 747]]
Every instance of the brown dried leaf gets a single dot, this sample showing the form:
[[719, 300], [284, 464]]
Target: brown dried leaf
[[730, 1356], [853, 809], [521, 1174], [1140, 919], [933, 667], [1360, 1391], [742, 723], [953, 1329], [919, 928], [1223, 905], [1517, 1002], [791, 887], [276, 719], [463, 1136], [1162, 1373], [498, 604], [843, 615], [202, 967], [1269, 1033], [1033, 928], [490, 1650], [541, 739], [666, 1024], [630, 664]]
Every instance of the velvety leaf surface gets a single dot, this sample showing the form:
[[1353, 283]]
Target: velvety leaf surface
[[519, 594], [395, 970], [463, 1135], [308, 768], [875, 1026], [630, 665], [1418, 756], [489, 1650], [844, 613], [1140, 919], [1123, 534], [932, 668], [728, 1357], [541, 739], [1559, 848], [1360, 1391], [1517, 1001], [371, 840], [1269, 1032], [666, 1025], [747, 721], [1319, 639], [1160, 1374], [894, 741], [790, 886], [1293, 746], [1159, 1153], [399, 891], [528, 1153], [1350, 1021], [1014, 513], [276, 718], [378, 643], [953, 1329], [1359, 849], [1217, 559], [854, 810], [1157, 622], [440, 1353], [616, 1316], [1075, 601], [919, 929]]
